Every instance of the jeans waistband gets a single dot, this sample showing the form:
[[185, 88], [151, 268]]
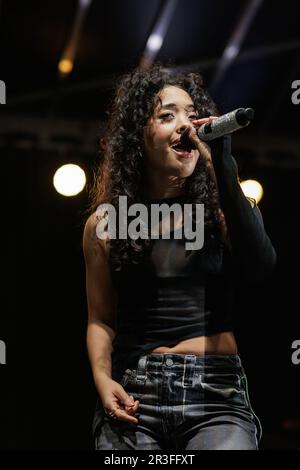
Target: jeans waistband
[[183, 362]]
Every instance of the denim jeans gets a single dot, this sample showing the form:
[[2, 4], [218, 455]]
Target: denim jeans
[[187, 402]]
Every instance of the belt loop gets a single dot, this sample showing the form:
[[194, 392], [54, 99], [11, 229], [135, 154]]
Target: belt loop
[[142, 369], [189, 370]]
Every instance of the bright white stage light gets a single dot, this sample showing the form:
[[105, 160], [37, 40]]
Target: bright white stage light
[[69, 180], [252, 188], [154, 42]]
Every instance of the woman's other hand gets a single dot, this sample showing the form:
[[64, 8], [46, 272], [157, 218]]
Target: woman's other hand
[[116, 401]]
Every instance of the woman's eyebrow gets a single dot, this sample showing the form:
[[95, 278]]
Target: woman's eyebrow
[[174, 106]]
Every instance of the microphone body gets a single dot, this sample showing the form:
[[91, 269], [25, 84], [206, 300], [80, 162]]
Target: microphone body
[[220, 126]]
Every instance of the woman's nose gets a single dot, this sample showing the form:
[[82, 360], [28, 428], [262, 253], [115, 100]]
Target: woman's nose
[[182, 126]]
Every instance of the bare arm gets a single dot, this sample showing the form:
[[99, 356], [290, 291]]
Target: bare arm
[[101, 300], [101, 330]]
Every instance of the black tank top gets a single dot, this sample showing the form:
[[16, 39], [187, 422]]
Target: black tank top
[[173, 295]]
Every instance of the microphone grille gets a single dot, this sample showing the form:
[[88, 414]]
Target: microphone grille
[[244, 116]]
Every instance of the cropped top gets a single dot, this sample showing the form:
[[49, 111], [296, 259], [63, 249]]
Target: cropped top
[[177, 294]]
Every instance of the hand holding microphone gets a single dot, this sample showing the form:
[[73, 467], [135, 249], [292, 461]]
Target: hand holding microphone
[[214, 127], [216, 131]]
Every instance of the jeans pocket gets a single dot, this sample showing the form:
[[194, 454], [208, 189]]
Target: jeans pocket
[[259, 429], [223, 387]]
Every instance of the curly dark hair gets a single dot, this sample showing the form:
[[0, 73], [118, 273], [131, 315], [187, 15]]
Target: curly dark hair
[[121, 170]]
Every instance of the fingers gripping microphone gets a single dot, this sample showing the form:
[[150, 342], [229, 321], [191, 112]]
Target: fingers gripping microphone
[[220, 126]]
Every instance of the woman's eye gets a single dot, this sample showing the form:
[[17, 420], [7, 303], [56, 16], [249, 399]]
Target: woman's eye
[[166, 116], [170, 116]]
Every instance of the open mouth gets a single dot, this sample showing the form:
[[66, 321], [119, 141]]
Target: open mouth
[[181, 151]]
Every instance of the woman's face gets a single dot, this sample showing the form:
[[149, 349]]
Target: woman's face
[[174, 112]]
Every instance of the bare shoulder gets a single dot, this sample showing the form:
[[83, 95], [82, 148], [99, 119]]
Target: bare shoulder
[[101, 294], [95, 235]]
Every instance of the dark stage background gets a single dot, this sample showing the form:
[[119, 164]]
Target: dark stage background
[[47, 393]]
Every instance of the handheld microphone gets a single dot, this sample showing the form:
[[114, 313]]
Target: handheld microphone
[[220, 126]]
